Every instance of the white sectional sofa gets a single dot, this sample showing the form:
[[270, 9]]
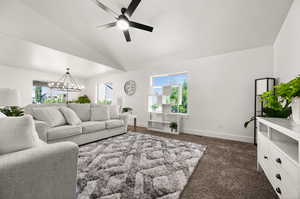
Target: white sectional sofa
[[94, 122]]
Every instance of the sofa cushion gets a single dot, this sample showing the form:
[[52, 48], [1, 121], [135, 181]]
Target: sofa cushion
[[114, 123], [70, 116], [17, 133], [91, 126], [114, 112], [29, 108], [50, 115], [63, 132], [100, 113], [83, 111]]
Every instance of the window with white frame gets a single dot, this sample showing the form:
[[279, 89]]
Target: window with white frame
[[169, 92], [42, 94], [105, 93]]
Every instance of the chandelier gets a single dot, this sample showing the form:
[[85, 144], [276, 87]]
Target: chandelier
[[66, 83]]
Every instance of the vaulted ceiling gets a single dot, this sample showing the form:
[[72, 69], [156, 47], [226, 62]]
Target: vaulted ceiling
[[182, 29]]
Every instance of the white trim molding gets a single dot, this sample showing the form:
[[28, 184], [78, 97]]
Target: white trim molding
[[214, 134]]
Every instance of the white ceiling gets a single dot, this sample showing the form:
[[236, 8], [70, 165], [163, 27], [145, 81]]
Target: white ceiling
[[183, 29], [19, 53]]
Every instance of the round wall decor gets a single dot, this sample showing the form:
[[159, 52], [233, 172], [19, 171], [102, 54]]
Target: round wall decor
[[130, 87]]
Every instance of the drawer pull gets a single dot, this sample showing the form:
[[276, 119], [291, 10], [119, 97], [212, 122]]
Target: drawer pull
[[278, 160], [278, 176], [266, 157], [278, 190]]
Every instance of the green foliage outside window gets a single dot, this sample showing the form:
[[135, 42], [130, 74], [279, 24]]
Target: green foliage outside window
[[183, 107], [104, 102]]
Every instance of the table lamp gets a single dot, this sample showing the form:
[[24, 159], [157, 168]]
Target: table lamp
[[9, 97]]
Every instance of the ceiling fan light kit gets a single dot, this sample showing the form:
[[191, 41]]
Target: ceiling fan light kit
[[123, 21]]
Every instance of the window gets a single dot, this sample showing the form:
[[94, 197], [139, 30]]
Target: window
[[105, 93], [169, 93], [42, 94]]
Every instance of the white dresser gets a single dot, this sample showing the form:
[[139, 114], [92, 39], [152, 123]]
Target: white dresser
[[278, 155]]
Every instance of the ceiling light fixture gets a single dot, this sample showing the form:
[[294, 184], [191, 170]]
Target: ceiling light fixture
[[66, 83], [123, 24]]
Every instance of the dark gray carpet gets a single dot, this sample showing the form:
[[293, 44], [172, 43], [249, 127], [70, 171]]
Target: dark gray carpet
[[227, 170], [134, 166]]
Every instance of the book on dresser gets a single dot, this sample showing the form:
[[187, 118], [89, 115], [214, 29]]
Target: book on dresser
[[278, 155]]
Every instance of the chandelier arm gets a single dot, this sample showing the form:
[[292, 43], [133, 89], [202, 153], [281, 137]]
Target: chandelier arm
[[66, 83]]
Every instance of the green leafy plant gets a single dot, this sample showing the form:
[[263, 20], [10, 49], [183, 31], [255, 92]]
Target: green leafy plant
[[173, 126], [83, 100], [154, 107], [126, 109], [12, 111], [289, 90], [277, 101]]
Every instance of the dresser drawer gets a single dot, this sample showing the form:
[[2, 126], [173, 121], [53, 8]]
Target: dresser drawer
[[284, 164], [263, 153], [283, 190], [284, 186]]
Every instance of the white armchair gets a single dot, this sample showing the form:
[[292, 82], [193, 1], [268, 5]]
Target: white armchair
[[39, 171], [47, 171]]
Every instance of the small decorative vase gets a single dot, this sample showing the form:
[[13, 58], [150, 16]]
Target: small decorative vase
[[296, 109]]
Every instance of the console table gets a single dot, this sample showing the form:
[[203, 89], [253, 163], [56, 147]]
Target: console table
[[278, 155]]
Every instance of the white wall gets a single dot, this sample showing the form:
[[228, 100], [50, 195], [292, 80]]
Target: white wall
[[21, 79], [221, 91], [287, 46]]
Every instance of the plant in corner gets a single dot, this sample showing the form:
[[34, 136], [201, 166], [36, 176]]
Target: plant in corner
[[126, 109], [12, 111], [173, 126], [282, 101], [83, 100], [290, 91]]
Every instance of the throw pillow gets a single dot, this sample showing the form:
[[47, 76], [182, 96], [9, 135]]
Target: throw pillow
[[70, 116], [114, 111], [83, 111], [2, 115], [17, 133], [100, 113], [50, 115]]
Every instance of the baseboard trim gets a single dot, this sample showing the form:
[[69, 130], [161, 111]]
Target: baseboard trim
[[214, 134]]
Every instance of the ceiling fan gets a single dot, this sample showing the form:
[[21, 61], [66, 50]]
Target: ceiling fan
[[123, 21]]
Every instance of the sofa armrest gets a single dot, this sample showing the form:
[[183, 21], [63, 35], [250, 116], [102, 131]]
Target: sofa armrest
[[44, 172], [41, 128], [125, 118]]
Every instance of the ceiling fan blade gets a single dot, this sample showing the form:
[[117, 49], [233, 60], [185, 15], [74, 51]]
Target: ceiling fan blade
[[107, 9], [127, 35], [109, 25], [132, 6], [140, 26]]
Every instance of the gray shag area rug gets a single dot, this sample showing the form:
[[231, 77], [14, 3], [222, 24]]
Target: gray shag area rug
[[136, 166]]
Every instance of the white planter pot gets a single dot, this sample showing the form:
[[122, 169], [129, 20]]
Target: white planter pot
[[296, 109]]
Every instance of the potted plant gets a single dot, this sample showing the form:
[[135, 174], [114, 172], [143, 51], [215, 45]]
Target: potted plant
[[290, 91], [282, 101], [154, 107], [274, 106], [12, 111], [126, 110], [173, 126], [83, 100]]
